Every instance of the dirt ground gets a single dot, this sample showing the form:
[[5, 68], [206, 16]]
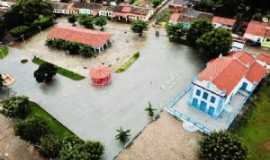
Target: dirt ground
[[164, 139], [11, 146]]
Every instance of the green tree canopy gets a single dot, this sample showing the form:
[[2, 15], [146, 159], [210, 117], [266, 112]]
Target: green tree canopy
[[216, 42], [50, 146], [45, 72], [175, 32], [75, 149], [101, 21], [24, 12], [16, 107], [86, 21], [122, 135], [139, 26], [31, 129], [222, 146], [197, 29]]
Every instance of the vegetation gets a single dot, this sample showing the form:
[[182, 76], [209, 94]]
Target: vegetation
[[76, 149], [222, 146], [16, 107], [71, 47], [122, 135], [101, 21], [86, 21], [176, 32], [72, 19], [197, 29], [150, 110], [3, 52], [27, 17], [2, 29], [254, 130], [216, 42], [1, 81], [139, 26], [127, 64], [50, 146], [45, 73], [163, 16], [242, 9], [155, 3], [31, 129], [60, 70]]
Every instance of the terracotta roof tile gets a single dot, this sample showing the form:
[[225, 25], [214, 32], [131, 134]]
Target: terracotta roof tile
[[175, 17], [258, 28], [264, 57], [80, 35], [223, 20], [227, 72]]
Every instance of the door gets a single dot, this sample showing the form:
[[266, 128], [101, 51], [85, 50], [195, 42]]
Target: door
[[244, 86], [194, 102], [211, 111], [203, 106]]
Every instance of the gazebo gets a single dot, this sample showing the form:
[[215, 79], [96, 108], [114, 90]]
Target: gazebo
[[101, 76]]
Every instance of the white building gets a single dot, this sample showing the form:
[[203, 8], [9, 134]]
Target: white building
[[222, 22], [223, 78]]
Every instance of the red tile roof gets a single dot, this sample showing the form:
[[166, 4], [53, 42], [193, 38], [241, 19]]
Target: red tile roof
[[80, 35], [175, 17], [258, 28], [223, 20], [256, 73], [264, 57], [227, 72]]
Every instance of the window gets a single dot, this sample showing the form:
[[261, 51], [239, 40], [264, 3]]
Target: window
[[198, 92], [205, 95], [195, 102], [213, 99]]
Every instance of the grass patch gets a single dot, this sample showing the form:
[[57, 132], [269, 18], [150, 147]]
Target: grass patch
[[256, 131], [56, 127], [127, 64], [60, 70], [3, 52]]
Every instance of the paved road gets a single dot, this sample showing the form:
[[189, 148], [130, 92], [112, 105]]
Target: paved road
[[162, 70]]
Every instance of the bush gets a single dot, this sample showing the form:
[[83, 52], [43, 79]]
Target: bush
[[72, 19], [43, 22], [45, 72], [18, 31], [50, 146], [71, 47], [16, 107], [222, 146], [75, 149], [31, 129], [86, 21]]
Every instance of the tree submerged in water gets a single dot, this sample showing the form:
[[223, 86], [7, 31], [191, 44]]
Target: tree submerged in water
[[122, 135]]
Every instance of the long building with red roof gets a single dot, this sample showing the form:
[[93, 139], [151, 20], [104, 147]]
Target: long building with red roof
[[223, 78], [257, 31], [95, 39], [223, 22]]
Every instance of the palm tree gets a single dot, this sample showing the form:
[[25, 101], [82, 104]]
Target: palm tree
[[122, 135], [150, 110]]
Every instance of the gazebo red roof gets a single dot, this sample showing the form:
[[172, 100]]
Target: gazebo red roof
[[100, 72], [80, 35]]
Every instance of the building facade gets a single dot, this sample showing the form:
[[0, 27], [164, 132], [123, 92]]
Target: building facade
[[222, 79]]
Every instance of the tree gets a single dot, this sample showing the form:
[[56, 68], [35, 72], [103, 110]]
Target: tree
[[2, 29], [216, 42], [101, 21], [72, 19], [223, 146], [1, 81], [175, 32], [75, 149], [45, 72], [24, 12], [156, 3], [150, 110], [50, 146], [86, 21], [197, 29], [139, 26], [31, 129], [16, 107], [122, 135]]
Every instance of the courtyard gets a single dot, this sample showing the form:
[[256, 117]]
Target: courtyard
[[162, 70]]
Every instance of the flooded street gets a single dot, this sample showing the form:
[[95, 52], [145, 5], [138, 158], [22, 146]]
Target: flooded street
[[163, 70]]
